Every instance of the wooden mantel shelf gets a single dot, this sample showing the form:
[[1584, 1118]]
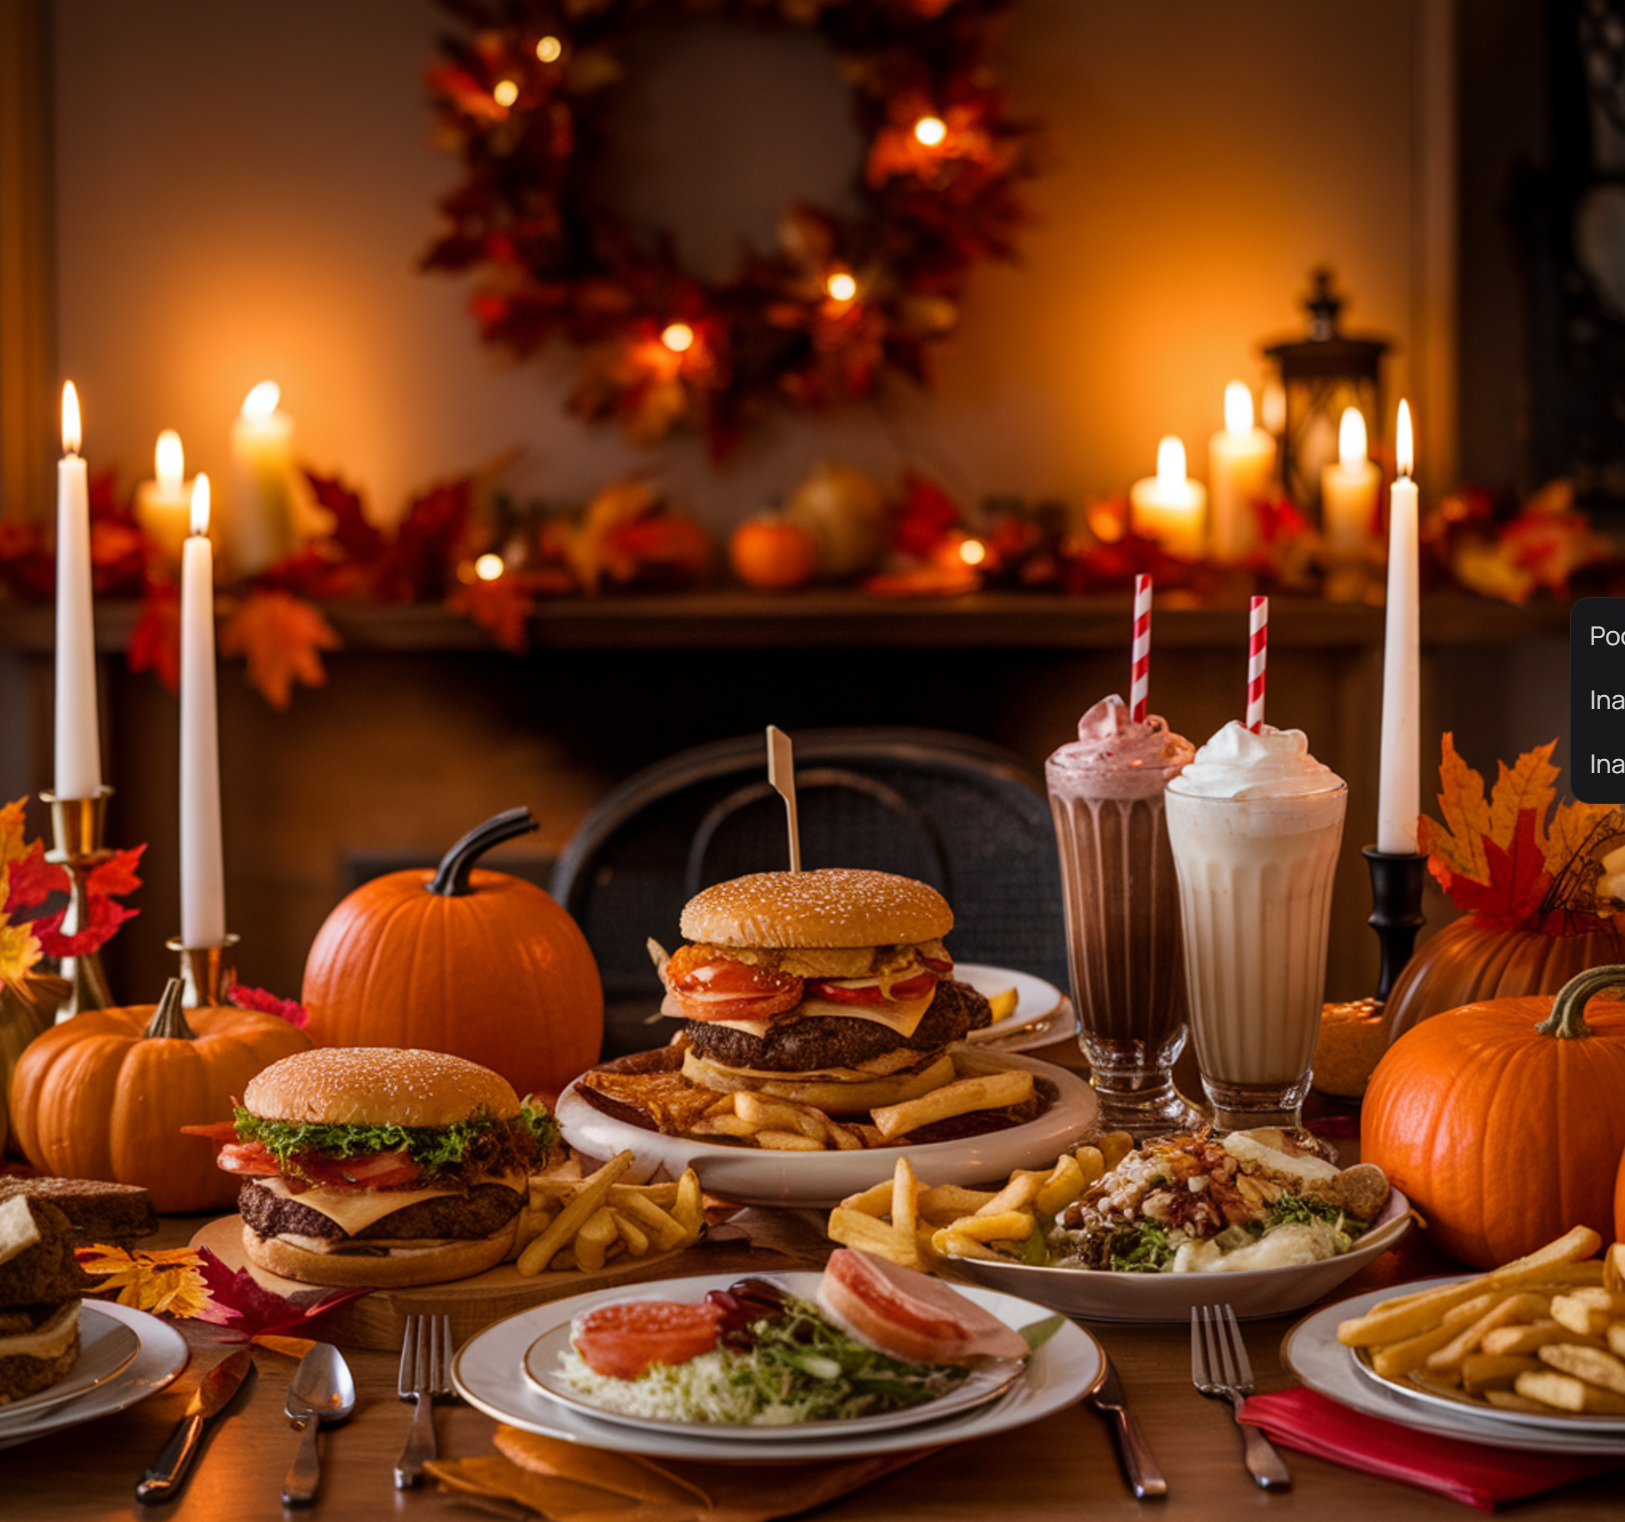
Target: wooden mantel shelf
[[701, 620]]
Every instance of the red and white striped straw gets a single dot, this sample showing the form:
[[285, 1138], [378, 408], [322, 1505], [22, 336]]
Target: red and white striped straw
[[1140, 670], [1258, 640]]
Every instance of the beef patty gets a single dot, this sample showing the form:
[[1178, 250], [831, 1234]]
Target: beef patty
[[482, 1212], [834, 1041]]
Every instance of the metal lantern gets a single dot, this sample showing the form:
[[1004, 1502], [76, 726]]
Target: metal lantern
[[1320, 376]]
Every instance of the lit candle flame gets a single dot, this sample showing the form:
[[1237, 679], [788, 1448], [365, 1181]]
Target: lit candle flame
[[200, 504], [1238, 411], [841, 286], [488, 567], [70, 420], [550, 50], [1351, 439], [678, 337], [930, 131], [262, 400], [1171, 460], [1404, 449], [169, 462]]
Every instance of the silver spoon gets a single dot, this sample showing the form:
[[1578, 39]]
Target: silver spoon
[[322, 1391]]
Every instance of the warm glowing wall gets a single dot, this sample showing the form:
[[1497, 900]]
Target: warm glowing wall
[[243, 190]]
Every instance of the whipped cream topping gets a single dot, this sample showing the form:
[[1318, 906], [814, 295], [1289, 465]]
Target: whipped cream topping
[[1118, 757], [1236, 763]]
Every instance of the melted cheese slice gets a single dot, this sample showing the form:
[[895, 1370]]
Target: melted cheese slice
[[356, 1209], [903, 1017], [47, 1342]]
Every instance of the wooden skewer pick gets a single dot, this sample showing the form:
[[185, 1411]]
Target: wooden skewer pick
[[781, 772]]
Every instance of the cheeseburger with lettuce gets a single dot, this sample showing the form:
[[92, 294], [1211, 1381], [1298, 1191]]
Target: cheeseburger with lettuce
[[380, 1166]]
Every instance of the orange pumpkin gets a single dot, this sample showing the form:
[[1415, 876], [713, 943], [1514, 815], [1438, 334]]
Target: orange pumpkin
[[1466, 963], [105, 1094], [479, 964], [1495, 1119], [772, 554]]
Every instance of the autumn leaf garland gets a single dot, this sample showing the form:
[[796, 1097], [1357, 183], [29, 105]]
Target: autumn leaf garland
[[1519, 859]]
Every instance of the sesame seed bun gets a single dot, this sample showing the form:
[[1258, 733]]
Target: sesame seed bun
[[378, 1086], [832, 907], [434, 1264]]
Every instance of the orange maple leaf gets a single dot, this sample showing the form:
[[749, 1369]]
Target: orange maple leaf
[[283, 638], [1520, 858]]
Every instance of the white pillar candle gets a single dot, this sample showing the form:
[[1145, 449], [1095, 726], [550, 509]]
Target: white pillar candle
[[1240, 470], [1349, 486], [1168, 507], [203, 876], [78, 734], [1399, 792], [163, 506], [259, 528]]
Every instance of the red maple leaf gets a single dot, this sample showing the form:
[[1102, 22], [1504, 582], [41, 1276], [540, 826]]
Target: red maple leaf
[[358, 538], [32, 879], [1518, 879], [108, 879], [927, 513], [427, 543], [155, 642], [247, 1309]]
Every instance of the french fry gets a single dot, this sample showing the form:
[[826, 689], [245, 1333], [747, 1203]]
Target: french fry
[[1510, 1400], [1566, 1393], [687, 1207], [1092, 1163], [944, 1203], [986, 1091], [1513, 1307], [726, 1124], [1018, 1194], [661, 1194], [1488, 1371], [948, 1243], [1064, 1185], [592, 1241], [1538, 1334], [780, 1115], [855, 1229], [1114, 1147], [1006, 1226], [1616, 1338], [1613, 1268], [577, 1210], [533, 1221], [789, 1141], [1581, 1313], [666, 1230], [905, 1198], [846, 1139], [871, 1201], [635, 1237], [1391, 1359], [1592, 1365]]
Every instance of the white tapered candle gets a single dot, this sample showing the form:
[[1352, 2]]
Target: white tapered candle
[[203, 876], [1399, 788]]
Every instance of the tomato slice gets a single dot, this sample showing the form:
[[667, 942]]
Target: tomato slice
[[708, 984], [916, 987], [378, 1170], [248, 1158], [220, 1131], [622, 1341]]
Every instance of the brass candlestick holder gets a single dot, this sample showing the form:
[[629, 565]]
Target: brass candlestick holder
[[76, 826], [207, 972]]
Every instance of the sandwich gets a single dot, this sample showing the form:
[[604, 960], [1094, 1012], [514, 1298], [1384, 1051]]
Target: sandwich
[[380, 1167], [41, 1291]]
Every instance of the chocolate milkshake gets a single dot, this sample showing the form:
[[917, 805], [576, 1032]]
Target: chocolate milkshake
[[1122, 912]]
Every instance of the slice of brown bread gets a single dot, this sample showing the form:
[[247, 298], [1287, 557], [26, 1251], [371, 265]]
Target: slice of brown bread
[[23, 1373], [48, 1270], [98, 1212]]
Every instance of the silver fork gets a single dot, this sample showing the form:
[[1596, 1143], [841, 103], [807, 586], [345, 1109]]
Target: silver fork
[[1220, 1369], [425, 1378]]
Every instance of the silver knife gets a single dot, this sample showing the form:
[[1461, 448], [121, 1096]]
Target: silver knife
[[214, 1391], [1133, 1452]]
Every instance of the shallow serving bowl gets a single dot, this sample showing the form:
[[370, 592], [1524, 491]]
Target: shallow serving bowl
[[757, 1176], [1096, 1295]]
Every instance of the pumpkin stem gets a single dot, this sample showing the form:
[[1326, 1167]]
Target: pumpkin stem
[[1566, 1020], [169, 1019], [451, 877]]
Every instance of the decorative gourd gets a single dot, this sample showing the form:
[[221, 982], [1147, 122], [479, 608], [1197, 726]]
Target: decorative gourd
[[772, 554], [1500, 1120], [1467, 963], [105, 1094], [845, 512], [479, 964]]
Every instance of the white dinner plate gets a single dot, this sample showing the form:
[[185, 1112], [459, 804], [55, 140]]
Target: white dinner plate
[[489, 1375], [542, 1370], [162, 1356], [1313, 1354], [106, 1345], [1099, 1295], [1034, 997], [760, 1176]]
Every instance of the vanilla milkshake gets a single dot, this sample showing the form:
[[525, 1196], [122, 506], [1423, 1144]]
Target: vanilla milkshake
[[1122, 912], [1255, 823]]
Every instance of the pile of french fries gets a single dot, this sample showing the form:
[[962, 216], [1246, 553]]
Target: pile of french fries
[[917, 1225], [585, 1223], [1545, 1333], [786, 1125]]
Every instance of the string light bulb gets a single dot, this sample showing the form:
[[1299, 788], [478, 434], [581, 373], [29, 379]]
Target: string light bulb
[[549, 50], [929, 131], [488, 567], [972, 551], [841, 286], [505, 92], [678, 337]]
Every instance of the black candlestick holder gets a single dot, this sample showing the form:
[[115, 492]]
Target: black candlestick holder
[[1396, 910]]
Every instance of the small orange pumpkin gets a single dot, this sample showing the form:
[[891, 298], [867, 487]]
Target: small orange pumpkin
[[105, 1094], [1495, 1119], [1466, 963], [772, 554], [479, 964]]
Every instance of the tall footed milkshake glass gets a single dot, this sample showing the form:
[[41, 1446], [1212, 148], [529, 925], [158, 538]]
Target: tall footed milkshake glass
[[1122, 913], [1255, 823]]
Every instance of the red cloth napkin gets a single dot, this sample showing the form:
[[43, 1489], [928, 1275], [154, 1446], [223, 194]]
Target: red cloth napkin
[[1481, 1476]]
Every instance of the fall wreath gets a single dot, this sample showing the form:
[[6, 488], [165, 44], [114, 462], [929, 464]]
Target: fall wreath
[[525, 95]]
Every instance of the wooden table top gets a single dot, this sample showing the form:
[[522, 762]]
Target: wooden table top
[[1048, 1471]]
